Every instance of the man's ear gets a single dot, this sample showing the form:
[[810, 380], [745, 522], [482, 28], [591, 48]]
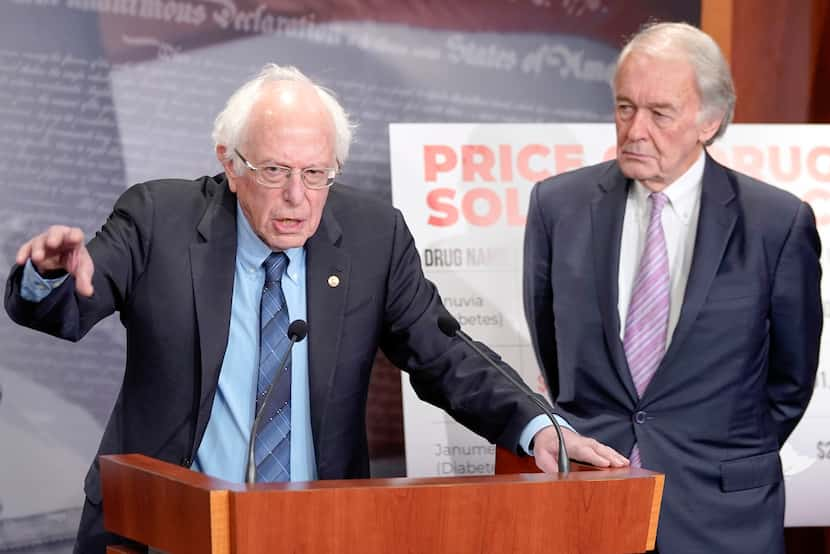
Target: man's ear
[[227, 163], [709, 128]]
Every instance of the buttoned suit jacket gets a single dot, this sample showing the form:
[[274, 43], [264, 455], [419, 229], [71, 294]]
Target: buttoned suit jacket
[[740, 368], [165, 262]]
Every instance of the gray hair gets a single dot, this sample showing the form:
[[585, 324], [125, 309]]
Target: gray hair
[[712, 74], [231, 123]]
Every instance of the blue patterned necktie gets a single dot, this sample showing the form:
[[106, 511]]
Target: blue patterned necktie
[[272, 449]]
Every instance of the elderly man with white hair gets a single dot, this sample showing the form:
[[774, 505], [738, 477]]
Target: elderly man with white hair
[[674, 304], [208, 276]]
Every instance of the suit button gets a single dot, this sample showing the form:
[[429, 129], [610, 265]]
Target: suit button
[[640, 417], [187, 462]]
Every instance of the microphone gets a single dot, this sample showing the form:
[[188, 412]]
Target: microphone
[[450, 327], [296, 332]]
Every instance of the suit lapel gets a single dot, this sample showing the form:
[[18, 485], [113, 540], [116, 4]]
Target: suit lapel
[[607, 213], [714, 228], [212, 264], [327, 282]]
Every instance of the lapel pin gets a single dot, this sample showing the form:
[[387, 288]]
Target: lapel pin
[[334, 281]]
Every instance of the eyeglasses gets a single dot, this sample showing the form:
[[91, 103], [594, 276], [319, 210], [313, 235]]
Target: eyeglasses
[[277, 176]]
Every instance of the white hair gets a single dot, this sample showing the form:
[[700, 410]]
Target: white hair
[[712, 74], [231, 123]]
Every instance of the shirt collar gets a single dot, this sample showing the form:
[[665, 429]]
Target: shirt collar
[[682, 193], [251, 251]]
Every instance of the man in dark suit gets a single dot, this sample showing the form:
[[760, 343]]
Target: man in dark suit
[[196, 267], [674, 304]]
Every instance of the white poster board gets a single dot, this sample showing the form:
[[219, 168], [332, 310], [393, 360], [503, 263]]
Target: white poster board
[[464, 190]]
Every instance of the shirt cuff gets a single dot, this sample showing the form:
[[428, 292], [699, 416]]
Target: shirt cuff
[[34, 287], [534, 426]]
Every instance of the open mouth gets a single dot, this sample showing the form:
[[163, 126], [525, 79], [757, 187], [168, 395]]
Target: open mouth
[[286, 224]]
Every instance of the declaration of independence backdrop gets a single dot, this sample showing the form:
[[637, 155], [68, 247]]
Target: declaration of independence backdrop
[[98, 94], [464, 190]]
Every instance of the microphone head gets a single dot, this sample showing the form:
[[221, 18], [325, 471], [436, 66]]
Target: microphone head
[[297, 330], [448, 325]]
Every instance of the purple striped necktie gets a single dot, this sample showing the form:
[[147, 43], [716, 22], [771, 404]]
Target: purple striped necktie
[[646, 324]]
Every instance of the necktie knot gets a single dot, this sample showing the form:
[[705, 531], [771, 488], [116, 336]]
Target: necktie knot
[[658, 202], [275, 265]]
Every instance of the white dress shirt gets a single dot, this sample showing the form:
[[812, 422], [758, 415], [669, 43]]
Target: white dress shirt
[[679, 219]]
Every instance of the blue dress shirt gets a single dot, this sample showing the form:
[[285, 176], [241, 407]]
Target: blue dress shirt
[[223, 451]]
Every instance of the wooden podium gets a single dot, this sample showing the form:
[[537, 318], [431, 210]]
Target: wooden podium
[[180, 511]]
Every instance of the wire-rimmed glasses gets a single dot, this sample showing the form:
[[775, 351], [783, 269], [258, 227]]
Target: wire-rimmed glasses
[[277, 176]]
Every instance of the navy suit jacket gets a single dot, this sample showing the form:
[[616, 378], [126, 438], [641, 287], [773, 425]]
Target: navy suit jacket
[[165, 261], [741, 365]]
